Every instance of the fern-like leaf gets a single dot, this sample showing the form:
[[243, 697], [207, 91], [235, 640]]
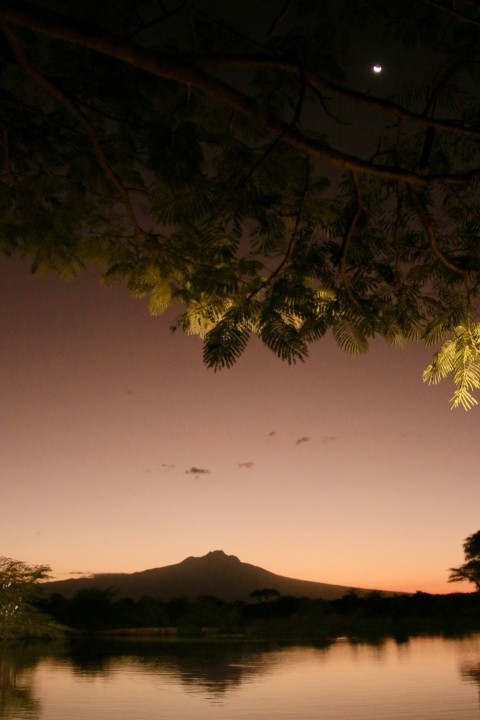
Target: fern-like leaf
[[160, 298], [224, 343], [462, 397], [283, 338], [441, 365], [349, 338], [460, 356]]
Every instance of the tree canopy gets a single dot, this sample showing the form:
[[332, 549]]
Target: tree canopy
[[241, 160], [18, 588], [470, 570]]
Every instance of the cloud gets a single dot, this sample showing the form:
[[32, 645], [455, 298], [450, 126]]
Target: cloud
[[197, 471], [302, 440], [167, 466], [245, 465], [329, 438]]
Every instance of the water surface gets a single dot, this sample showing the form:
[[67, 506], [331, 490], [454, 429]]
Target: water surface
[[421, 678]]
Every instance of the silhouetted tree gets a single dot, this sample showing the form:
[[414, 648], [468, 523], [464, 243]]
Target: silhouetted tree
[[264, 594], [92, 609], [18, 589], [470, 570], [232, 158]]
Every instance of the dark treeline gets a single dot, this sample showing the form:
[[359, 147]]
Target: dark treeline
[[99, 610]]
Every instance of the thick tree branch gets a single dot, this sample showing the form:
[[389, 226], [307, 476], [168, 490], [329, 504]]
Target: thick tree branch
[[319, 84], [186, 73]]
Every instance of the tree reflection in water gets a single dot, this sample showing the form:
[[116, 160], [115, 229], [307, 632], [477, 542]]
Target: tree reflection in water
[[214, 668], [471, 673], [17, 699]]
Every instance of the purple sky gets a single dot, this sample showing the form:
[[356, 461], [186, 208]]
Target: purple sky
[[110, 423]]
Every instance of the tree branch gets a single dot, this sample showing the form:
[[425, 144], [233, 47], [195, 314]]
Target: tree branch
[[290, 126], [185, 72], [294, 235], [148, 26], [6, 159], [274, 27], [451, 11], [191, 23], [319, 84], [431, 235], [55, 92], [293, 238], [347, 240]]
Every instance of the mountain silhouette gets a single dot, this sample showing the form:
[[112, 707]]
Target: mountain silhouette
[[217, 574]]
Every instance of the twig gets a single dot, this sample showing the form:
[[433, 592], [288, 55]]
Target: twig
[[293, 238], [192, 24], [454, 13], [148, 26], [294, 235], [328, 112], [288, 128], [279, 19], [6, 159], [347, 240], [431, 234], [227, 28]]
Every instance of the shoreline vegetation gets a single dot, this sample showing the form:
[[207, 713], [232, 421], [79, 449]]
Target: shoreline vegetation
[[98, 613]]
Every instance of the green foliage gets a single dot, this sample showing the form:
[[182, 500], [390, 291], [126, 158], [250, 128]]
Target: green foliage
[[216, 158], [460, 357], [349, 337], [225, 342]]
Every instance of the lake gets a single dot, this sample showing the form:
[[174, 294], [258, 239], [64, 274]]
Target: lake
[[422, 678]]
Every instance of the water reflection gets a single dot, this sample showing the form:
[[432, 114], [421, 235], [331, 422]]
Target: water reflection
[[432, 678], [470, 663], [17, 696], [214, 667]]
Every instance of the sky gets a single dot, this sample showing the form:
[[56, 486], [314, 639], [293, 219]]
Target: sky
[[120, 451]]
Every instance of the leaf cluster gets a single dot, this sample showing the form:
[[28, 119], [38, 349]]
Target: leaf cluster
[[223, 159]]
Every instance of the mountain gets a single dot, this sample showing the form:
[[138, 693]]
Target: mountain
[[216, 573]]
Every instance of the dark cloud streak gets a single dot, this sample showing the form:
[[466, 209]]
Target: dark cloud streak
[[197, 471]]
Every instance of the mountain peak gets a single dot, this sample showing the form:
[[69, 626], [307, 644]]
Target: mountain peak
[[220, 555], [213, 557]]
